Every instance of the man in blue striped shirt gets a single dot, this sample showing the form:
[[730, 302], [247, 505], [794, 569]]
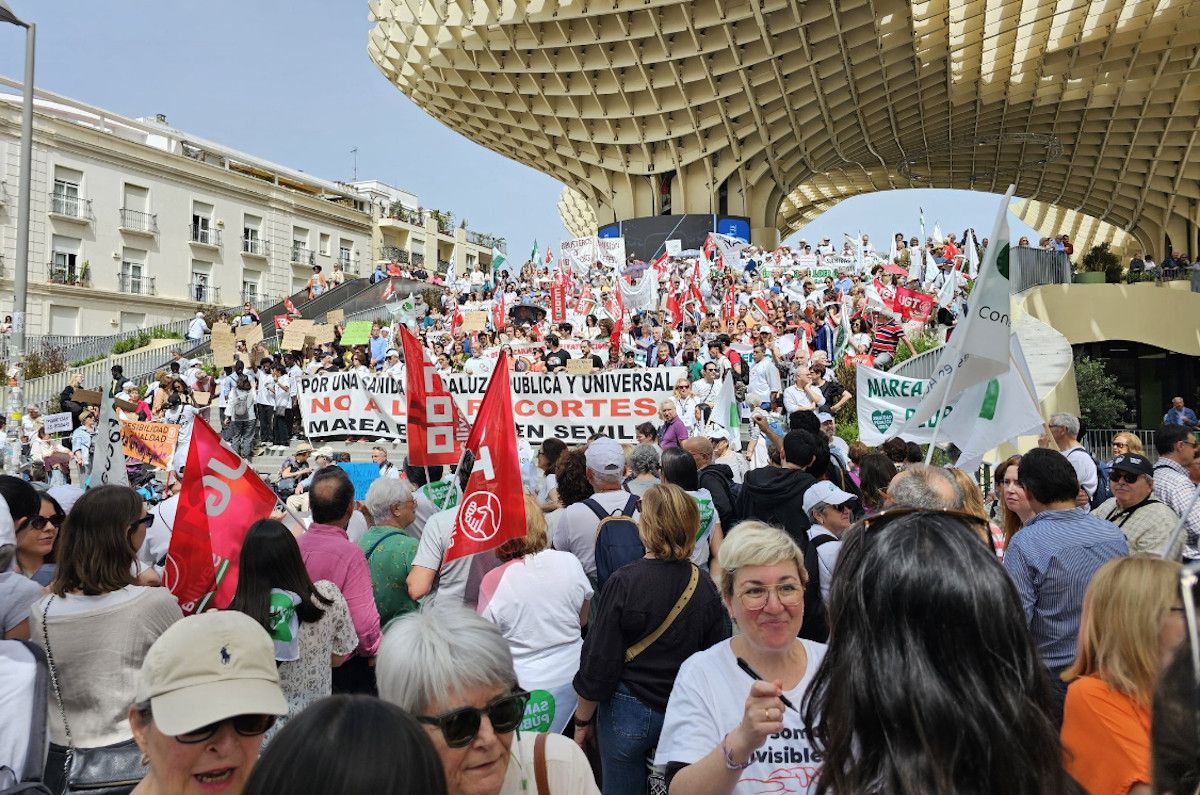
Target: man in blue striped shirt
[[1052, 559]]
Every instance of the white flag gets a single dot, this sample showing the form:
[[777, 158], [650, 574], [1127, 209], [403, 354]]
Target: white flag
[[725, 414], [938, 237], [914, 263], [972, 255], [931, 269], [979, 349], [108, 453], [893, 253], [994, 412], [452, 268]]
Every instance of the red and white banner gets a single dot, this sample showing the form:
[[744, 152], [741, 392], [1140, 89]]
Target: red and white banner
[[558, 302], [221, 497], [499, 319], [290, 307], [585, 302], [729, 305], [281, 322], [887, 293], [492, 508], [913, 305], [432, 415]]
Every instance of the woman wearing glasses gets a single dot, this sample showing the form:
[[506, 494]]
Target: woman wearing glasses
[[453, 671], [931, 683], [206, 694], [731, 724], [35, 541], [97, 624], [1132, 622]]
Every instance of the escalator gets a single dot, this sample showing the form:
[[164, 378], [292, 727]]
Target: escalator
[[371, 301]]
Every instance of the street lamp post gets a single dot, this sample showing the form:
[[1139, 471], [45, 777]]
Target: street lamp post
[[21, 271]]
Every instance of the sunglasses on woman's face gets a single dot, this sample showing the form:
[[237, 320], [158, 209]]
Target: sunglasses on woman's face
[[39, 522], [245, 725], [460, 727]]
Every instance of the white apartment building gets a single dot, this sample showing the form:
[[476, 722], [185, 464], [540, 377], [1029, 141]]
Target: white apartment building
[[134, 223]]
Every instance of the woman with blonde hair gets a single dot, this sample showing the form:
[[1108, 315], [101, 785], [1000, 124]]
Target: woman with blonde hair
[[1123, 443], [654, 613], [973, 504], [539, 598], [1131, 624]]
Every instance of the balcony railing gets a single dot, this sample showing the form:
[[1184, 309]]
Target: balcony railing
[[393, 254], [303, 256], [418, 259], [485, 240], [204, 293], [414, 217], [256, 299], [62, 274], [205, 236], [256, 247], [138, 221], [349, 265], [443, 266], [136, 285], [76, 208]]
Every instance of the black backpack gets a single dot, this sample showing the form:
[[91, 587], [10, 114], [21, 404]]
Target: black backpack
[[1103, 491], [617, 538]]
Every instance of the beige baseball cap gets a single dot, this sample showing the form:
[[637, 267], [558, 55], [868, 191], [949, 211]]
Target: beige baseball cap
[[207, 668]]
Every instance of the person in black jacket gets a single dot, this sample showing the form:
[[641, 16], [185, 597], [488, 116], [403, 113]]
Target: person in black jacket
[[717, 478], [775, 495]]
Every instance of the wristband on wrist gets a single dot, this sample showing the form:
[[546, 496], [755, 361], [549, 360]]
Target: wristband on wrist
[[729, 763], [584, 723]]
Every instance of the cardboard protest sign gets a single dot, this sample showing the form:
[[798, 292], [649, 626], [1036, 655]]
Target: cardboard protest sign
[[58, 423], [251, 335], [579, 365], [565, 406], [335, 316], [474, 321], [294, 334], [322, 334], [151, 443], [357, 332], [224, 342], [88, 397]]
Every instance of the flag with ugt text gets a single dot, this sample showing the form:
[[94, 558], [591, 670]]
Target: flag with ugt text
[[290, 307], [492, 508], [221, 497], [432, 415], [979, 349]]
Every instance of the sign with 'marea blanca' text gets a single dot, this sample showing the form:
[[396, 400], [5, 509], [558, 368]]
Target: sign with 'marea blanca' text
[[565, 406]]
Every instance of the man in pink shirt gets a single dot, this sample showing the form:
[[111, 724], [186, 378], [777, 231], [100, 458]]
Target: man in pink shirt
[[330, 555]]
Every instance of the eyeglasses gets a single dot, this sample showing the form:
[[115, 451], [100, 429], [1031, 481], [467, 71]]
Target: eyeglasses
[[245, 725], [756, 597], [1116, 476], [39, 522], [460, 727]]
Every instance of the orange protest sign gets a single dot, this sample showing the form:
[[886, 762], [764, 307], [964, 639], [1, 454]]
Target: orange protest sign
[[151, 443]]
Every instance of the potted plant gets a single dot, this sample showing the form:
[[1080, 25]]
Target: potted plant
[[1097, 265], [85, 273]]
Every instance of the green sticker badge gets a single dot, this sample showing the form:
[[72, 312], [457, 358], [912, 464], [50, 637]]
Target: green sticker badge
[[882, 420], [539, 712]]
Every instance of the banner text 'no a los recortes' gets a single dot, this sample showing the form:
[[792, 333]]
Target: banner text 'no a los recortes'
[[570, 407]]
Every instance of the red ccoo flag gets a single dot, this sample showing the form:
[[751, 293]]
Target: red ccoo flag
[[432, 414], [388, 291], [549, 255], [221, 497], [290, 307], [492, 509], [498, 316]]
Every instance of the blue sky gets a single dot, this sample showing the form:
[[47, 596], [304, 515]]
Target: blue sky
[[291, 82]]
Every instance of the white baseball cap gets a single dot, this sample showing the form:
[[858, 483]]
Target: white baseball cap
[[824, 416], [207, 668], [8, 531], [826, 492], [605, 455]]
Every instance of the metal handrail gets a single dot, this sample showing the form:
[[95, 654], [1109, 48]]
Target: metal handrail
[[204, 235], [1099, 441], [1035, 267], [303, 256], [256, 246], [204, 293], [139, 221], [75, 207]]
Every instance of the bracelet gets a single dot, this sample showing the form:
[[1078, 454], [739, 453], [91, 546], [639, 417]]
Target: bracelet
[[583, 724], [729, 763]]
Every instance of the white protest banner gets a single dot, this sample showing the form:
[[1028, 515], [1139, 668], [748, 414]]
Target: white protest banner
[[806, 261], [564, 406], [885, 402], [674, 247], [841, 262], [580, 253], [58, 423], [823, 272], [534, 350], [611, 251]]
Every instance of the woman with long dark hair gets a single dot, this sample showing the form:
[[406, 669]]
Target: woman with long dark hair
[[309, 622], [931, 683], [679, 469], [875, 472]]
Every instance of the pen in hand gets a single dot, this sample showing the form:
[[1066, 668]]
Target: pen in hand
[[745, 666]]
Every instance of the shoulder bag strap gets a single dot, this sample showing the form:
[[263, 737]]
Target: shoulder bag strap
[[685, 597], [62, 711], [385, 537], [540, 776]]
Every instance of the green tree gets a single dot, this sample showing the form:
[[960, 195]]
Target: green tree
[[1101, 400]]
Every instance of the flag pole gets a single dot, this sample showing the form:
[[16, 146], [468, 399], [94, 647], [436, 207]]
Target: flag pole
[[941, 415]]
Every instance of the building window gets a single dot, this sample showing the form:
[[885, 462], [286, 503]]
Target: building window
[[201, 288], [64, 267], [252, 242], [131, 277], [249, 292], [66, 199], [345, 256], [202, 231], [324, 242]]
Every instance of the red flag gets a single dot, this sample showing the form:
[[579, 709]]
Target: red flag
[[389, 291], [674, 307], [457, 320], [614, 340], [729, 305], [549, 255], [432, 415], [558, 302], [290, 307], [492, 509], [660, 264], [221, 497], [913, 304], [498, 316]]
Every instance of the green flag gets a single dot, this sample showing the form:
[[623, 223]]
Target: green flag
[[533, 252], [499, 261]]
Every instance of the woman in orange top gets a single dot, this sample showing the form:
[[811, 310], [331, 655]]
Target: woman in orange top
[[1131, 624]]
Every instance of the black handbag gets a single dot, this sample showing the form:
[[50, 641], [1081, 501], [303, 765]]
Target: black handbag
[[107, 770]]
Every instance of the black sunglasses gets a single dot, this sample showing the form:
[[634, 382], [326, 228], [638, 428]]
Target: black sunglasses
[[1118, 475], [39, 522], [245, 725], [460, 727]]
